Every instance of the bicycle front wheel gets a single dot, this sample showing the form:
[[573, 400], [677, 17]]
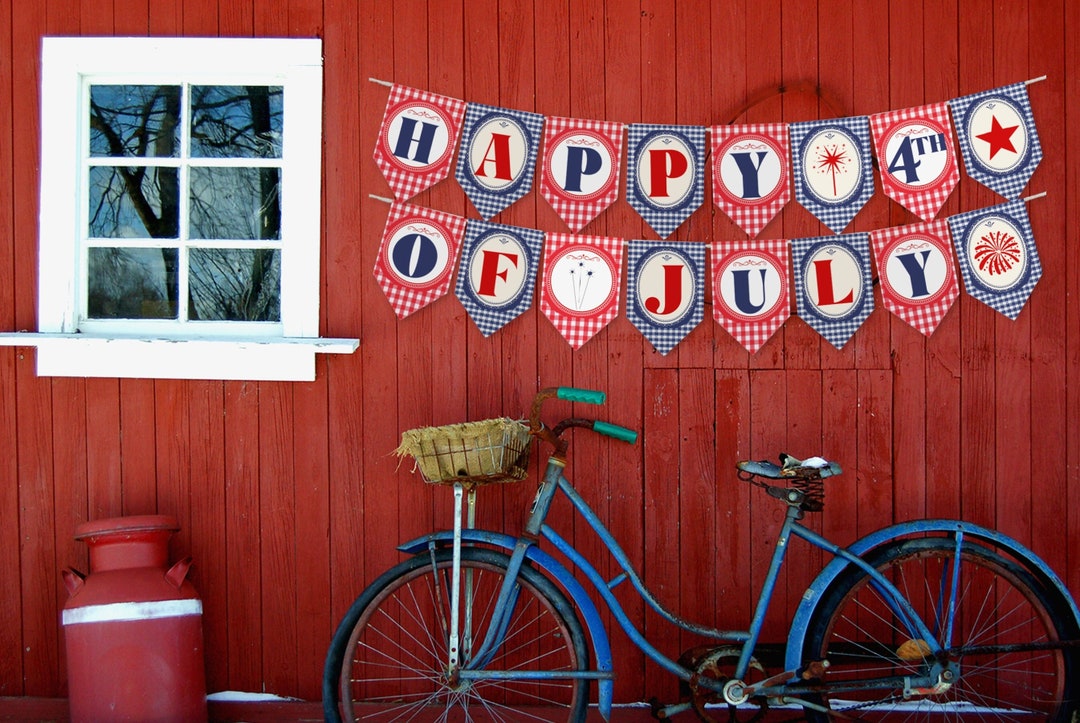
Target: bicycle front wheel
[[1006, 630], [389, 659]]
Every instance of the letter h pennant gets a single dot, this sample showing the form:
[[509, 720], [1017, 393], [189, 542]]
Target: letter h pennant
[[916, 272], [580, 176]]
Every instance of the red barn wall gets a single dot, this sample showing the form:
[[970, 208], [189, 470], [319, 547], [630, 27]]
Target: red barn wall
[[287, 495]]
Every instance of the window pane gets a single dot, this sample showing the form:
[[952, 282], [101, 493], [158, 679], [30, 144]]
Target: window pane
[[133, 202], [129, 283], [236, 121], [134, 120], [235, 284], [235, 203]]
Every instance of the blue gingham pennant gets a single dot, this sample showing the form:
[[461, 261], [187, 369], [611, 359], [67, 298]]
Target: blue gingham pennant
[[665, 173], [497, 158], [833, 168], [497, 276], [833, 285], [998, 258], [998, 140], [665, 290]]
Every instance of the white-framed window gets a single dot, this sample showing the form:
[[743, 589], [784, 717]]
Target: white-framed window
[[180, 201]]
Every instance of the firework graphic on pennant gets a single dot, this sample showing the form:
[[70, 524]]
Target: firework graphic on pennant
[[833, 284], [916, 272], [751, 295], [833, 168], [998, 257], [919, 167], [751, 180], [498, 154], [580, 293], [417, 139], [665, 290], [665, 177], [998, 140], [497, 274], [416, 256], [580, 176]]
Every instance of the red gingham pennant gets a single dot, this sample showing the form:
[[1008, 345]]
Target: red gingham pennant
[[916, 157], [417, 139], [580, 293], [916, 271], [580, 175], [751, 176], [751, 291], [417, 255]]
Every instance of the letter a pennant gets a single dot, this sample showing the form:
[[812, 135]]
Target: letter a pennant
[[580, 175], [750, 173], [581, 284], [665, 177], [997, 137], [417, 139], [751, 298], [916, 271], [998, 258], [498, 156], [919, 167], [834, 175], [417, 255], [665, 290], [834, 294], [497, 274]]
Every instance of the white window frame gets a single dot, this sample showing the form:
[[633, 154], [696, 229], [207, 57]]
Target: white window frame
[[70, 346]]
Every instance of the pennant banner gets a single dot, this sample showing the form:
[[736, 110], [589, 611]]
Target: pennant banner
[[417, 255], [998, 258], [498, 156], [750, 173], [834, 291], [417, 139], [751, 299], [916, 157], [665, 290], [497, 274], [665, 177], [581, 284], [997, 136], [916, 271], [833, 168], [580, 176]]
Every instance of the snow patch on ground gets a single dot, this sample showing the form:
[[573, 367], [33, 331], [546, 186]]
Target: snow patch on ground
[[237, 696]]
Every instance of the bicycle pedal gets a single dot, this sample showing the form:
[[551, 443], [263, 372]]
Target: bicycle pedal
[[663, 712]]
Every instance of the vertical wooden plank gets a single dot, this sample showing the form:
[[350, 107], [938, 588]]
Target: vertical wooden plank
[[697, 512], [137, 460], [839, 432], [875, 456], [804, 403], [1071, 342], [733, 497]]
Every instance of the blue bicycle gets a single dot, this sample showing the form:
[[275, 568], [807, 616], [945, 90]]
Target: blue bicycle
[[924, 620]]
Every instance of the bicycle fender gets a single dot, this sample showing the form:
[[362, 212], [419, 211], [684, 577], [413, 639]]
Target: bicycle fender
[[814, 593], [558, 572]]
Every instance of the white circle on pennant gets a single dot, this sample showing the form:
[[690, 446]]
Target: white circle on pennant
[[997, 133], [916, 154], [498, 152], [417, 253], [665, 287], [580, 164], [665, 170], [498, 269], [997, 253], [580, 281], [751, 170], [428, 144], [834, 281], [752, 286], [832, 165], [916, 270]]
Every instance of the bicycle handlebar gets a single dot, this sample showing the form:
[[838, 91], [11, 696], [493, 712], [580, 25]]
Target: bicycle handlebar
[[573, 394], [589, 396]]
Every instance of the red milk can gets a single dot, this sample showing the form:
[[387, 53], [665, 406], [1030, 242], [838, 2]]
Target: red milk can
[[133, 627]]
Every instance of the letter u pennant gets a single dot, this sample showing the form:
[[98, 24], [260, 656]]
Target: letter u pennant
[[916, 271], [751, 299], [581, 284]]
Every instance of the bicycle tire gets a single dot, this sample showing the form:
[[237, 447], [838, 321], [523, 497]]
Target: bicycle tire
[[999, 603], [388, 658]]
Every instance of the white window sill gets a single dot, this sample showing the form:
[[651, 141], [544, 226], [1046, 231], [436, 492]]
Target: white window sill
[[255, 359]]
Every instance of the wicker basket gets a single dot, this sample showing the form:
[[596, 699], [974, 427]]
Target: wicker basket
[[471, 453]]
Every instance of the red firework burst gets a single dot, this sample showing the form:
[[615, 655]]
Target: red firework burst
[[997, 252], [832, 160]]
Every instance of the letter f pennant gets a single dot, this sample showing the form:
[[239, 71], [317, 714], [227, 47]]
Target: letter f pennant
[[497, 274]]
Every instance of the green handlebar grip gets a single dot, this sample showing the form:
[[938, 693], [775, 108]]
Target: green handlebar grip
[[614, 430], [588, 396]]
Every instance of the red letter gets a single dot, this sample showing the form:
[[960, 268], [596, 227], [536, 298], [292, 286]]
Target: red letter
[[823, 269], [664, 164], [672, 291], [500, 144], [489, 271]]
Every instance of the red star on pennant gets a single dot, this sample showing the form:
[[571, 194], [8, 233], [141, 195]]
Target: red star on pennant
[[998, 137]]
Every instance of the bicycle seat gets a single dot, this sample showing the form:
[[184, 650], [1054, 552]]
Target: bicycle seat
[[791, 468]]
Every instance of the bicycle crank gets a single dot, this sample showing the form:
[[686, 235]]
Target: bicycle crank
[[717, 665]]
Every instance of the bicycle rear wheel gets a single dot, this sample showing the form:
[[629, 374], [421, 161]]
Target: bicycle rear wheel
[[1004, 637], [388, 659]]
